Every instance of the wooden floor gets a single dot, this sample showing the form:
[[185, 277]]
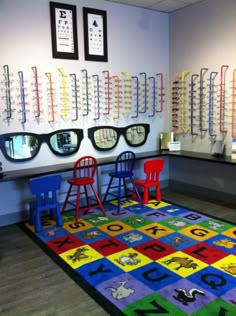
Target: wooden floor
[[31, 284]]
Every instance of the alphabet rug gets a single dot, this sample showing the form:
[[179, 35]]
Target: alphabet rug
[[152, 259]]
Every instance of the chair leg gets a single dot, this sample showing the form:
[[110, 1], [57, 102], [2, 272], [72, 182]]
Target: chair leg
[[107, 191], [86, 194], [135, 189], [77, 207], [98, 200], [59, 217], [37, 221], [145, 195], [119, 196], [66, 200], [158, 193]]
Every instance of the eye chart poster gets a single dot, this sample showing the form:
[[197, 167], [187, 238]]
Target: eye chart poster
[[64, 31], [95, 34]]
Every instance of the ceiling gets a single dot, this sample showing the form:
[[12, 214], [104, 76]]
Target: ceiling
[[166, 6]]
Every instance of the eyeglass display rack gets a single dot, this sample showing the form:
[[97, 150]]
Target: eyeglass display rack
[[176, 86], [8, 98], [233, 113], [223, 98], [37, 113], [193, 97], [183, 123], [212, 99]]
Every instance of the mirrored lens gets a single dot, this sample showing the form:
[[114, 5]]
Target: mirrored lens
[[21, 146], [135, 135], [64, 142], [105, 138]]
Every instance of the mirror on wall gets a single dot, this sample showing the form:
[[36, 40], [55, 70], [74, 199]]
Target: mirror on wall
[[25, 146]]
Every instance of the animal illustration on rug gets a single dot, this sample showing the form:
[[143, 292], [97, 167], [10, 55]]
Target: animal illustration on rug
[[231, 268], [214, 225], [172, 210], [135, 221], [128, 260], [183, 263], [186, 297], [92, 235], [132, 237], [121, 291], [78, 255], [99, 219], [51, 232], [227, 243], [177, 223], [178, 241]]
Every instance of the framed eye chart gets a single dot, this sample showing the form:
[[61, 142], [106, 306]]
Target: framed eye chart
[[64, 30], [95, 34]]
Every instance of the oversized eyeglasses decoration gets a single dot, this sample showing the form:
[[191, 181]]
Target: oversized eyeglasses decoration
[[19, 147], [106, 137]]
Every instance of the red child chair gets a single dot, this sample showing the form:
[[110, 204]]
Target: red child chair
[[83, 178], [152, 169]]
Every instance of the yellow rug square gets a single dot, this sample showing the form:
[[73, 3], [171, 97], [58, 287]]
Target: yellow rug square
[[182, 264], [198, 232], [155, 230], [115, 228], [77, 257], [227, 264], [129, 259], [72, 227]]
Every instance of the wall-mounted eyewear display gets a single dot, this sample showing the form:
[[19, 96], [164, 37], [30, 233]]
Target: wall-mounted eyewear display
[[107, 137], [23, 146]]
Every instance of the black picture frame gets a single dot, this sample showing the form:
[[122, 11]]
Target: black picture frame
[[64, 30], [95, 34]]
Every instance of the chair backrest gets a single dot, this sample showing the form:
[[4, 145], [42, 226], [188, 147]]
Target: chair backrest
[[85, 167], [153, 168], [45, 188], [125, 162]]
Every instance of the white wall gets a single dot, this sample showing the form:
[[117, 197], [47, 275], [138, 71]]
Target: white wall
[[203, 36], [138, 41]]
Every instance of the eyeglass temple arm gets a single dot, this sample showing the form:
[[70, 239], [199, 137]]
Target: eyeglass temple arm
[[49, 75], [73, 76]]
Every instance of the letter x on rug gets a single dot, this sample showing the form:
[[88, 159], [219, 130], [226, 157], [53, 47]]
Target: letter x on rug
[[153, 259]]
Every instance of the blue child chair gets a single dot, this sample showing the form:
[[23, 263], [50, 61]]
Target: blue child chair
[[124, 166], [45, 191]]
